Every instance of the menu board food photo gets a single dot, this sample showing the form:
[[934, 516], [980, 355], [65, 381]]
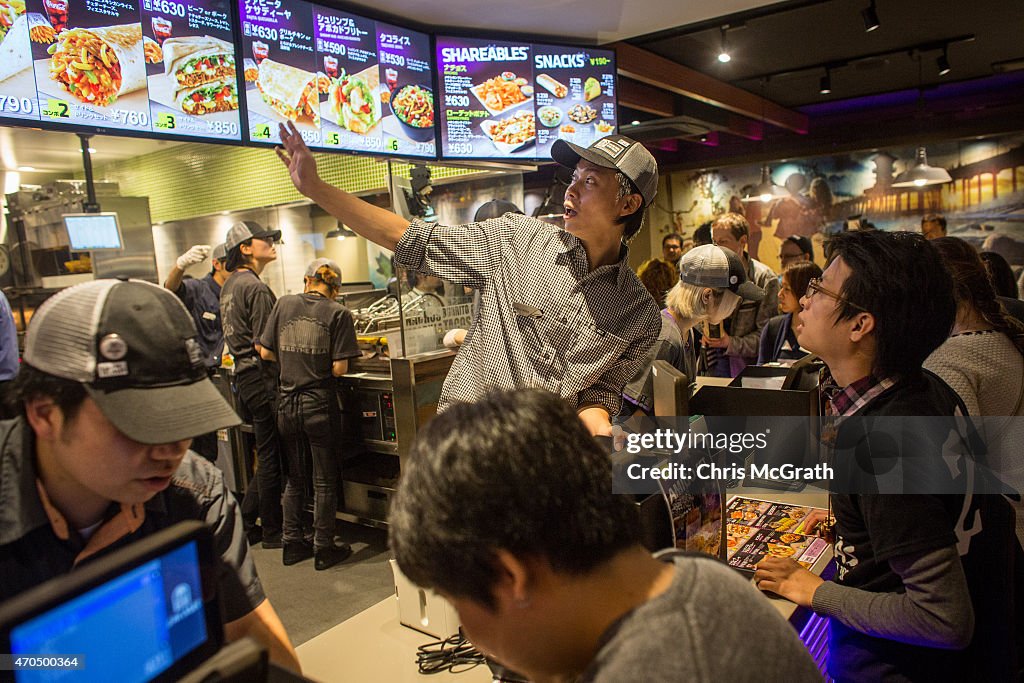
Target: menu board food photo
[[190, 62], [348, 80], [510, 100], [89, 63], [406, 91], [278, 37], [17, 82], [757, 529]]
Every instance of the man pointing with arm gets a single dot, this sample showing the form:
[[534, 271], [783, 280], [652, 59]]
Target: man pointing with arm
[[561, 309]]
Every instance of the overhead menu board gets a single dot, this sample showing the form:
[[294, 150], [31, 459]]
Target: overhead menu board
[[138, 65], [512, 100], [347, 82]]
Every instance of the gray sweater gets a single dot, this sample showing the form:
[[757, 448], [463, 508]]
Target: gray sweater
[[710, 625]]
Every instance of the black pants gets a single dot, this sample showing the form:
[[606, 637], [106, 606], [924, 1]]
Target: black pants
[[308, 422], [256, 387]]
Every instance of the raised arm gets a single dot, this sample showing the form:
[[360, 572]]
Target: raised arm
[[378, 225]]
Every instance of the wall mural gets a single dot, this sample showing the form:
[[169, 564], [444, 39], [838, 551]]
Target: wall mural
[[815, 197]]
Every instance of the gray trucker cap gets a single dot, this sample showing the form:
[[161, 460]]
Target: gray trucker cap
[[713, 266], [244, 230], [616, 152]]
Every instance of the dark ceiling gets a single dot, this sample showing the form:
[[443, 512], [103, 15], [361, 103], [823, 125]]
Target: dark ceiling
[[781, 52]]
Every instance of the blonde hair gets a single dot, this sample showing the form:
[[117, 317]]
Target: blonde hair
[[685, 301]]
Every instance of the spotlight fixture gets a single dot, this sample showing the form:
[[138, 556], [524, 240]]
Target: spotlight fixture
[[635, 122], [921, 174], [340, 233], [723, 52], [870, 16], [943, 62], [825, 85]]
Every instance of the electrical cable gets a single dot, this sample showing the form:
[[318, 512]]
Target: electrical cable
[[454, 654]]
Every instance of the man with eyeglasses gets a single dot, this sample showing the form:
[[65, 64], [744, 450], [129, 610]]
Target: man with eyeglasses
[[924, 588], [795, 249], [245, 305]]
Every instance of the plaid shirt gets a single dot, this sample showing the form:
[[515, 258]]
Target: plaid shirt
[[544, 319], [843, 402]]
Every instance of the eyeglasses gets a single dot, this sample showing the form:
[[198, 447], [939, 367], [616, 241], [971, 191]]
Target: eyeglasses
[[814, 286]]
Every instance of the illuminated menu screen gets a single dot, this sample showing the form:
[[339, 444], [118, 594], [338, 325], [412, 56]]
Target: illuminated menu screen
[[347, 82], [512, 100], [141, 65]]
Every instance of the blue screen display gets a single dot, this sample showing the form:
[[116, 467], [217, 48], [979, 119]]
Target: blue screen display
[[129, 629], [97, 231]]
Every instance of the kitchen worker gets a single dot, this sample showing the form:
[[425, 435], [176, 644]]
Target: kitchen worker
[[312, 337], [98, 458], [561, 308], [245, 305], [202, 299]]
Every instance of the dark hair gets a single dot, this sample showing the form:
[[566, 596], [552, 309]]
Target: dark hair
[[672, 236], [495, 208], [515, 470], [935, 218], [972, 286], [658, 277], [799, 274], [702, 235], [803, 243], [236, 259], [634, 221], [899, 278], [31, 383], [734, 223], [1001, 274]]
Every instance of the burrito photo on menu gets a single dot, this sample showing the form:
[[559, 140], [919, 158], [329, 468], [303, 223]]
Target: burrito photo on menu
[[208, 98], [96, 65], [14, 57], [198, 60], [289, 91], [10, 12]]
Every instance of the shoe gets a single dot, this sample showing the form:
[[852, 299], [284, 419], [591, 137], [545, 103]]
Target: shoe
[[296, 552], [272, 542], [325, 558], [254, 534]]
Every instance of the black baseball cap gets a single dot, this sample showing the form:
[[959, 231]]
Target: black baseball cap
[[245, 230], [134, 347], [804, 243], [616, 152]]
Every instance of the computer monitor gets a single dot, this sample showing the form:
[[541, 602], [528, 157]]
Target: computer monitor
[[148, 612], [93, 231]]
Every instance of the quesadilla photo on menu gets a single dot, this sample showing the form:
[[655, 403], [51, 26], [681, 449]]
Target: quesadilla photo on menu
[[97, 65], [198, 60], [289, 91], [14, 55]]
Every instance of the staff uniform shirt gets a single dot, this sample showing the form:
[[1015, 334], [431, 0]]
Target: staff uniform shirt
[[36, 543], [545, 319], [8, 341], [308, 332], [202, 299], [245, 305]]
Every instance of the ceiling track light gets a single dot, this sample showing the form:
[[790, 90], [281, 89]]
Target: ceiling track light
[[942, 62], [870, 16], [825, 85], [723, 53]]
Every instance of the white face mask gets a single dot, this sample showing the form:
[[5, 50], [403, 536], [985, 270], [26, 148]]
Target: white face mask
[[725, 308]]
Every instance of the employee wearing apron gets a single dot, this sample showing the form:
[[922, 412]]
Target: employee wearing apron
[[312, 337], [245, 305]]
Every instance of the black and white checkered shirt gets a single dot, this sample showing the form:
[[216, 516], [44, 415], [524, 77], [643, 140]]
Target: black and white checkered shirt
[[544, 320]]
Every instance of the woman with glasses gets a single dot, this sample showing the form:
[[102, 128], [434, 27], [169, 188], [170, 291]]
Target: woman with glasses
[[778, 338]]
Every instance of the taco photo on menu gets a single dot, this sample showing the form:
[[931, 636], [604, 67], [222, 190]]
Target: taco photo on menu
[[197, 60], [208, 98], [97, 65], [14, 58], [353, 104], [289, 91]]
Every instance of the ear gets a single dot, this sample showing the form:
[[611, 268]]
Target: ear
[[45, 418], [631, 202], [862, 325], [705, 296], [514, 581]]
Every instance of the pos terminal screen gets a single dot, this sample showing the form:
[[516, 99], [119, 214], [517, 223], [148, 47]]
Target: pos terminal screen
[[162, 603], [92, 231]]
